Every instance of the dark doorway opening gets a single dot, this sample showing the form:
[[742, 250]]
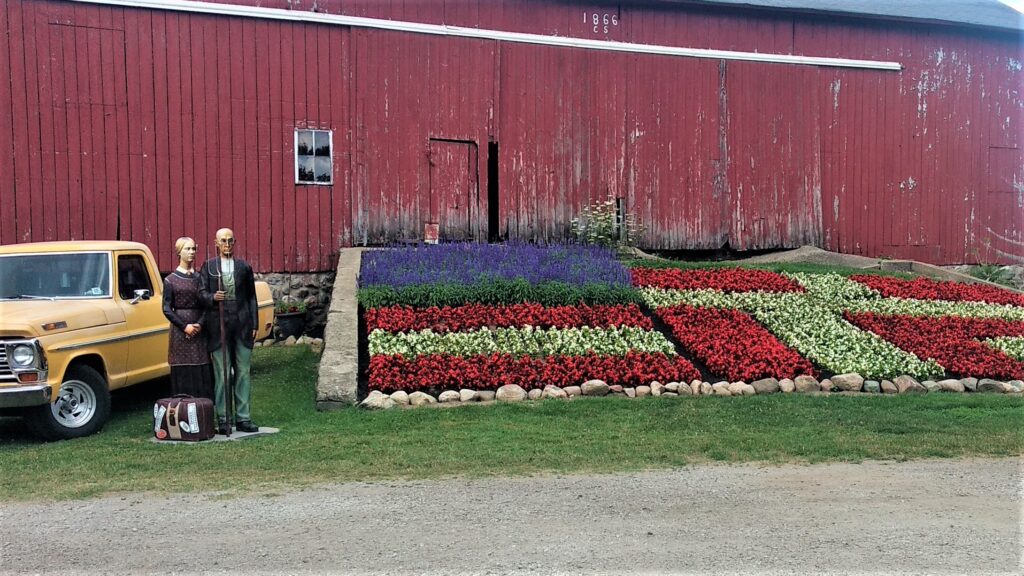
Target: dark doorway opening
[[493, 234]]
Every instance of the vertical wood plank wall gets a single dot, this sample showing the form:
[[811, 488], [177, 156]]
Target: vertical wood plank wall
[[147, 125]]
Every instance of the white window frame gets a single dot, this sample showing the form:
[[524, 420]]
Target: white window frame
[[295, 147]]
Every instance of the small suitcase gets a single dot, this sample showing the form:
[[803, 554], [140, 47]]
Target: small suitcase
[[185, 418]]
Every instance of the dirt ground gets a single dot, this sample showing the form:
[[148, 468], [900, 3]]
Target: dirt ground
[[942, 516]]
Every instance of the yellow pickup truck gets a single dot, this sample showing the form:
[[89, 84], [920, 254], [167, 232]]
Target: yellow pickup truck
[[77, 320]]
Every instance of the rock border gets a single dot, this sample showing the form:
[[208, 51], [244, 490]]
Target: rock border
[[316, 344], [850, 384]]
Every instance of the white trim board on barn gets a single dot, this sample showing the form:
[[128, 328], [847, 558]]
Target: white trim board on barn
[[515, 37]]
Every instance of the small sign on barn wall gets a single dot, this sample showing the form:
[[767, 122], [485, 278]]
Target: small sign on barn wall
[[602, 22], [431, 231]]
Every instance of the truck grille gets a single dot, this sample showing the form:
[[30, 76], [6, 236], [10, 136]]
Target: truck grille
[[6, 374]]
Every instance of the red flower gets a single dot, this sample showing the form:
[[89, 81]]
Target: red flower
[[733, 344], [952, 341], [926, 289], [389, 373], [474, 316], [724, 279]]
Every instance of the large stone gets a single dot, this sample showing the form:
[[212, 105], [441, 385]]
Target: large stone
[[951, 385], [338, 379], [736, 388], [534, 394], [657, 388], [805, 384], [930, 385], [695, 387], [449, 396], [889, 387], [551, 391], [672, 387], [401, 397], [1018, 385], [377, 400], [705, 389], [421, 398], [766, 386], [970, 384], [849, 382], [573, 390], [989, 385], [872, 386], [594, 388], [684, 390], [786, 386], [467, 395], [615, 389], [907, 384], [642, 391], [629, 392], [721, 389], [485, 395], [825, 385], [510, 393]]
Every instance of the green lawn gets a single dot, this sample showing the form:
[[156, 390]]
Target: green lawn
[[585, 435]]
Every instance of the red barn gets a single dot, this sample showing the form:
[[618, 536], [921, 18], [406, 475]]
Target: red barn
[[867, 127]]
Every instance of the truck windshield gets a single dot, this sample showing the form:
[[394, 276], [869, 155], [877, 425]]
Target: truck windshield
[[55, 276]]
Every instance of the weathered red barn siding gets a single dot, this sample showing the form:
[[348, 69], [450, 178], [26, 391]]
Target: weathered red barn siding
[[149, 124]]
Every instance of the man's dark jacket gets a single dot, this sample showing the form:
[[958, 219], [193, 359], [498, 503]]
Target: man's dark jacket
[[245, 296]]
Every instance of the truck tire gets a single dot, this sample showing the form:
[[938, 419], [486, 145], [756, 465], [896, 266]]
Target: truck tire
[[81, 408]]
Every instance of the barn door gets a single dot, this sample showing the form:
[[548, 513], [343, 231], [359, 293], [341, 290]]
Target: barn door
[[774, 171], [454, 197]]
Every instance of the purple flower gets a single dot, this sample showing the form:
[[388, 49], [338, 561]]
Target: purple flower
[[468, 263]]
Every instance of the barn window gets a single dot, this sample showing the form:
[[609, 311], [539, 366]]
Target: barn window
[[313, 157]]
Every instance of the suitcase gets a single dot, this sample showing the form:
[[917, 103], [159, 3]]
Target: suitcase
[[185, 418]]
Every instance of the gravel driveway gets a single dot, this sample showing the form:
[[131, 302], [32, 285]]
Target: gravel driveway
[[948, 516]]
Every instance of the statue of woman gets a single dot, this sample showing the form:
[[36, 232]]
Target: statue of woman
[[186, 350]]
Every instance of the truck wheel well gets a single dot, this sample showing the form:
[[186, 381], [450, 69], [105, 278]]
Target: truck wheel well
[[93, 361]]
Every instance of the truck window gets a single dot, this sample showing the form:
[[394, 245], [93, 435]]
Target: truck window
[[56, 275], [132, 275]]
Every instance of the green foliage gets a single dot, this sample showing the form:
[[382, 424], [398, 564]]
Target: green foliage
[[599, 223], [496, 292], [551, 436], [1002, 275], [290, 307]]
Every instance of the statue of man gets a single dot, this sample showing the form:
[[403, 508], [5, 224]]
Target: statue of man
[[227, 286]]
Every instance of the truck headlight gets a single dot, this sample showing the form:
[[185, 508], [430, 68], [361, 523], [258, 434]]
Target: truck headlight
[[23, 355]]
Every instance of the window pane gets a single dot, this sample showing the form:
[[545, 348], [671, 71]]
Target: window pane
[[131, 276], [323, 143], [305, 169], [304, 143], [323, 169], [55, 275]]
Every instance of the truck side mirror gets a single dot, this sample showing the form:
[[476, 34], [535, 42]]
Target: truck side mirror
[[140, 294]]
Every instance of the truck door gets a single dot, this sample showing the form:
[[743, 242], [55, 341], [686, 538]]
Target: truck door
[[146, 328]]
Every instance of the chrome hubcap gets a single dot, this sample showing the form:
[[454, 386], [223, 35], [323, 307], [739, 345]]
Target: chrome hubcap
[[75, 405]]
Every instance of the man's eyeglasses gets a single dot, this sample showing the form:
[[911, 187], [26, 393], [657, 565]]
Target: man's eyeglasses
[[226, 241]]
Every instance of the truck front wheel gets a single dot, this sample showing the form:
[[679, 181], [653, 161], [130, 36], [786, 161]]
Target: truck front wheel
[[81, 408]]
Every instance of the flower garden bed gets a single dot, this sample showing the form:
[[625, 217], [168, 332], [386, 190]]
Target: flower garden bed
[[465, 322]]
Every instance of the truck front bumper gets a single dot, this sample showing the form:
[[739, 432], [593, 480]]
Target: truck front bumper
[[24, 396]]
